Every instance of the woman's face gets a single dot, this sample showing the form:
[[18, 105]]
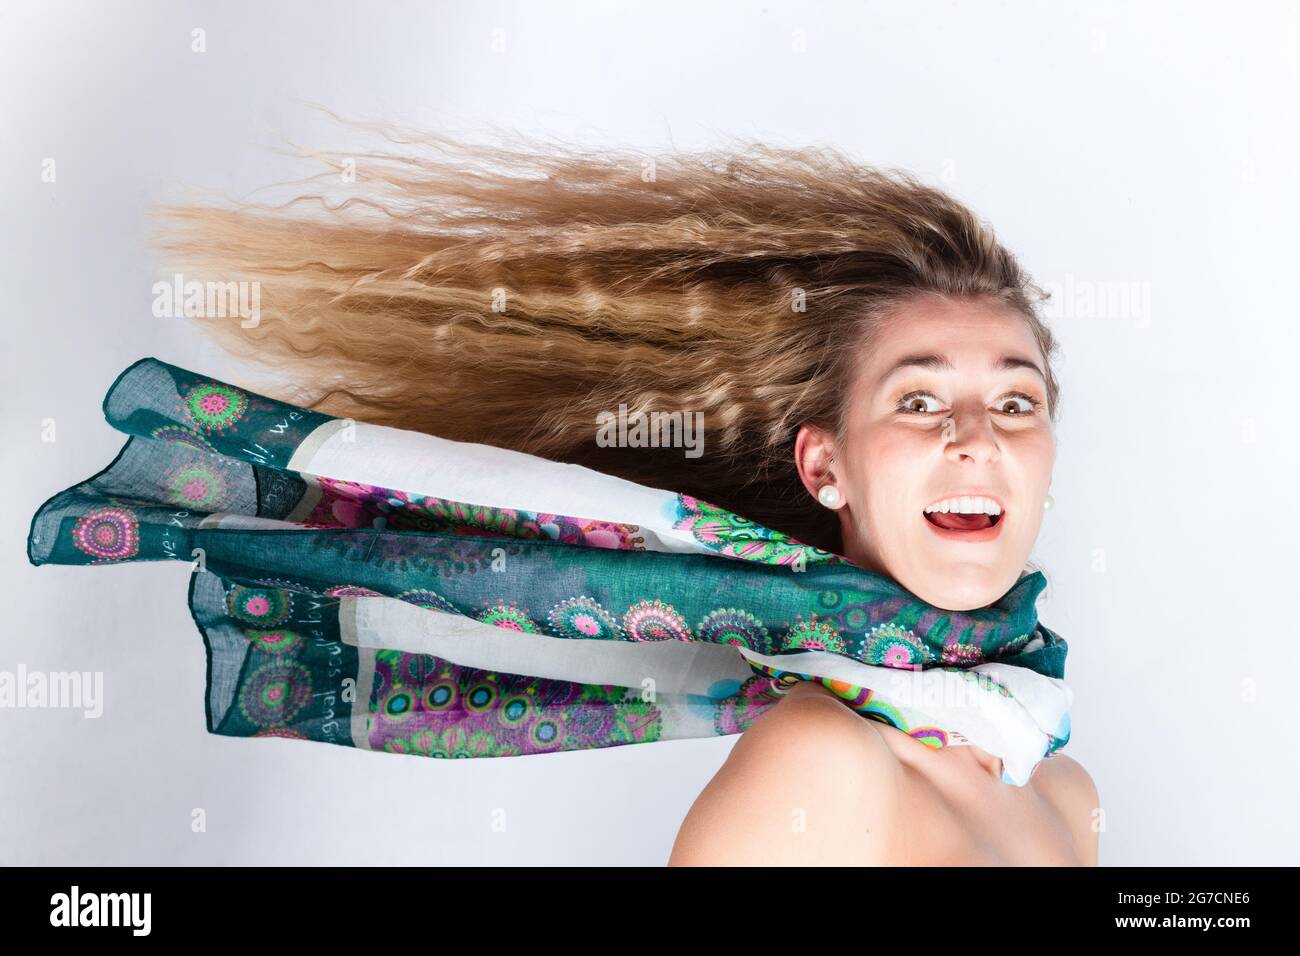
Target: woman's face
[[962, 423]]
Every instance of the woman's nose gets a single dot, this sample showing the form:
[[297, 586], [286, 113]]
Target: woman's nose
[[969, 435]]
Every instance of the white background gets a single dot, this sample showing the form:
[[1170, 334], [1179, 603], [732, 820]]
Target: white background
[[1147, 143]]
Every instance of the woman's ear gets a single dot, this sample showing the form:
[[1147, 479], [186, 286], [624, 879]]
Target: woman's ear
[[814, 455]]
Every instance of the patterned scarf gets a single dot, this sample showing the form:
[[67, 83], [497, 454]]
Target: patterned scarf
[[384, 589]]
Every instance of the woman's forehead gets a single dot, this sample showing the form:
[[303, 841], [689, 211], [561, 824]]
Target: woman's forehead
[[962, 342]]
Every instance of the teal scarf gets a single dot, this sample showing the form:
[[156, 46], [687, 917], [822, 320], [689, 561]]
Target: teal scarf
[[391, 618]]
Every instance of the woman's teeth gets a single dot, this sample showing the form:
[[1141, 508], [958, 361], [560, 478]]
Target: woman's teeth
[[965, 506], [964, 513]]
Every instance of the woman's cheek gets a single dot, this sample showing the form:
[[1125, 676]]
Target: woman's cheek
[[891, 468], [1034, 458]]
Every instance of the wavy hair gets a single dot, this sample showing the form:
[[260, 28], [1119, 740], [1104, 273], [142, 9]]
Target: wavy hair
[[510, 293]]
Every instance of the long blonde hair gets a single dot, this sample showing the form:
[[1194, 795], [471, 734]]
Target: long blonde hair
[[511, 293]]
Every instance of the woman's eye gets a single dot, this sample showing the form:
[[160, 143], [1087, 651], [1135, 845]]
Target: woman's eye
[[913, 403], [1031, 404], [1014, 404]]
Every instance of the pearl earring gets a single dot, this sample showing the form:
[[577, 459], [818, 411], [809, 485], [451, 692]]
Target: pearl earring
[[1048, 502], [828, 495]]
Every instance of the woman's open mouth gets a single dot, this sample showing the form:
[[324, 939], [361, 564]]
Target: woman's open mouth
[[970, 526]]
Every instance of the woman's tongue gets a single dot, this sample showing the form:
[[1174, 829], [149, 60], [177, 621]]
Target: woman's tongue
[[956, 522]]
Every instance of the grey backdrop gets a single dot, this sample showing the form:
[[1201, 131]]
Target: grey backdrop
[[1146, 148]]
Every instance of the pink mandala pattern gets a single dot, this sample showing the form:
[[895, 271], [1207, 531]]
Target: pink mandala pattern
[[110, 533]]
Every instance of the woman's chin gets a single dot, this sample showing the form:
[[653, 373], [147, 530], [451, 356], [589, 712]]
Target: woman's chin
[[964, 587]]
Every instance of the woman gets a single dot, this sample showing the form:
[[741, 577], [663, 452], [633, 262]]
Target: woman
[[865, 356], [936, 412]]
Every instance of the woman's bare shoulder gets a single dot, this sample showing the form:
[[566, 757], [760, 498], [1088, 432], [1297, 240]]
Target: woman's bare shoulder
[[1064, 782], [809, 783]]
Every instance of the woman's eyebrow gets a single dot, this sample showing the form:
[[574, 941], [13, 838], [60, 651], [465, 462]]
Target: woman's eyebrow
[[941, 363], [1009, 362]]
